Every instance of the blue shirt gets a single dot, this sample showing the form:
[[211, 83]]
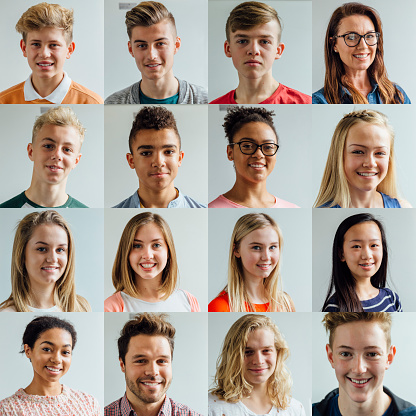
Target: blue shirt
[[373, 97], [182, 201], [388, 202], [333, 409]]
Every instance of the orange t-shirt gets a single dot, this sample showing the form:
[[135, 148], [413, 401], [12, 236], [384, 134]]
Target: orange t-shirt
[[221, 304]]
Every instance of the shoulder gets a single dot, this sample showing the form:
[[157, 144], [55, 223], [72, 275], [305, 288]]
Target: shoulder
[[220, 303], [8, 309], [193, 301], [217, 406], [185, 201], [225, 99], [403, 407], [123, 96], [318, 97], [74, 203], [130, 202], [406, 98], [191, 93], [320, 409], [295, 408], [181, 409], [83, 399], [113, 407], [287, 95], [9, 404], [280, 203], [13, 95], [393, 303], [290, 301], [223, 202], [16, 202], [79, 94], [114, 303], [332, 304]]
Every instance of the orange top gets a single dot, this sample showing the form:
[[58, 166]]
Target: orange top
[[221, 304]]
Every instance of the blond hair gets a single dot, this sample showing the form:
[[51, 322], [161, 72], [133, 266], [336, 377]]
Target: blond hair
[[334, 188], [46, 15], [65, 295], [332, 320], [250, 14], [238, 297], [230, 384], [148, 13], [59, 116], [124, 276]]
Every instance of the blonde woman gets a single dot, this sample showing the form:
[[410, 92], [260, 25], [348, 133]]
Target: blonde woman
[[251, 377], [360, 171], [43, 267], [254, 269], [145, 271]]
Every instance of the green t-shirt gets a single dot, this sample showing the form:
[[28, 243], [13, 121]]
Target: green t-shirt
[[22, 201], [144, 99]]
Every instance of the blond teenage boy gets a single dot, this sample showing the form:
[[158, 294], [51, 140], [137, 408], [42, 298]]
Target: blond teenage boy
[[253, 32], [153, 42], [57, 137], [360, 351], [46, 31]]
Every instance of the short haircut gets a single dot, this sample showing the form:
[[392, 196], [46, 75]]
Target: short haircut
[[41, 324], [237, 117], [148, 13], [46, 15], [151, 324], [332, 320], [59, 116], [250, 14], [152, 118]]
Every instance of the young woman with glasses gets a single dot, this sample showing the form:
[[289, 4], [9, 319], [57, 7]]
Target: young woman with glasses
[[252, 146], [354, 63]]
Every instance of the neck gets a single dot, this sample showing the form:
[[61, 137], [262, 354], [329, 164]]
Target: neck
[[254, 91], [144, 409], [259, 401], [47, 195], [365, 290], [150, 198], [250, 195], [44, 87], [360, 80], [42, 297], [161, 88], [365, 199], [40, 387], [149, 289], [255, 289], [376, 405]]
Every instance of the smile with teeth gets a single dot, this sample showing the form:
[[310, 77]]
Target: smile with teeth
[[54, 168], [367, 174], [54, 370], [43, 65], [147, 265], [50, 268], [359, 381], [150, 383], [257, 165], [362, 56], [152, 65]]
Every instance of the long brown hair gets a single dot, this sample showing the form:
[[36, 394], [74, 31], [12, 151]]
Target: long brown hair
[[335, 76]]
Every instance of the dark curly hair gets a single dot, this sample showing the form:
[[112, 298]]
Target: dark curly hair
[[237, 117], [152, 118]]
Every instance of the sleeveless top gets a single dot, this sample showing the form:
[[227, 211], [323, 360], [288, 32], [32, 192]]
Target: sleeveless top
[[388, 202]]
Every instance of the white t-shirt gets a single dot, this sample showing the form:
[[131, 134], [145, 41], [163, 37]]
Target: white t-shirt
[[13, 309], [218, 407]]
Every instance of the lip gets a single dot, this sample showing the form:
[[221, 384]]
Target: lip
[[45, 65], [361, 56], [257, 166], [49, 269], [252, 62], [150, 268], [257, 370], [54, 168], [363, 382], [55, 373], [367, 175], [367, 266], [158, 174], [264, 266], [153, 66]]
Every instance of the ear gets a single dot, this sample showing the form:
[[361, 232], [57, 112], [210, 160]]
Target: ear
[[341, 255], [181, 155], [71, 48], [227, 50], [122, 365], [390, 356], [335, 47], [177, 44], [130, 48], [23, 48], [30, 151], [77, 159], [280, 50], [230, 152], [330, 355], [236, 252], [130, 160], [28, 351]]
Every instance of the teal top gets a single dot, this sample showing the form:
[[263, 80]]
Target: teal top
[[22, 201]]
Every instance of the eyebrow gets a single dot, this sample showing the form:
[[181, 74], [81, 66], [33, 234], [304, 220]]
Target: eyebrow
[[262, 244], [249, 139], [52, 344], [49, 139], [145, 41], [47, 244], [242, 35], [261, 348], [146, 356], [151, 147], [373, 239], [366, 147], [156, 239], [370, 347]]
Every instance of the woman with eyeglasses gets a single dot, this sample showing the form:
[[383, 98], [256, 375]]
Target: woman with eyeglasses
[[252, 146], [354, 63]]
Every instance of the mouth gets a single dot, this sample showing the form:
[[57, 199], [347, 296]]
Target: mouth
[[53, 168], [359, 382], [361, 56], [158, 174], [264, 266], [367, 174], [258, 370], [367, 266], [152, 66], [45, 64], [257, 166], [54, 369], [252, 62], [147, 266]]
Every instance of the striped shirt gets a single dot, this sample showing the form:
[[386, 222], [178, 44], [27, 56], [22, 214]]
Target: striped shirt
[[385, 301], [122, 407]]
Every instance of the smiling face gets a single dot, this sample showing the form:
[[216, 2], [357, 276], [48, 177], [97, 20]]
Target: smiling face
[[55, 151], [149, 254], [51, 355], [366, 156], [360, 57], [153, 48], [254, 51], [46, 255], [363, 250], [147, 368], [360, 356], [256, 167], [46, 51], [156, 158], [259, 357], [259, 253]]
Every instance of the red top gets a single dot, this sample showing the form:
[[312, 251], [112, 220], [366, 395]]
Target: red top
[[283, 95], [221, 304]]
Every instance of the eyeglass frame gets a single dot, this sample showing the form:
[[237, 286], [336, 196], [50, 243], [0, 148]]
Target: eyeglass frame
[[255, 144], [361, 36]]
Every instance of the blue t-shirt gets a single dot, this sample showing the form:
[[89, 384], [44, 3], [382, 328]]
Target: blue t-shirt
[[388, 202], [333, 409]]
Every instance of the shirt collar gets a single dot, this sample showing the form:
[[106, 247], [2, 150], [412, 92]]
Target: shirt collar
[[57, 95], [172, 204], [372, 82], [127, 410]]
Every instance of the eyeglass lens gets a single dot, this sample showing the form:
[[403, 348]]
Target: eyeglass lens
[[248, 148], [353, 39]]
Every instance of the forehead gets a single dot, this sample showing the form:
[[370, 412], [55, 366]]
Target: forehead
[[149, 345], [57, 336], [367, 230], [256, 131], [368, 133], [261, 235], [269, 29], [359, 335], [155, 138], [46, 34], [356, 23], [60, 134], [48, 232], [151, 230], [163, 29], [260, 337]]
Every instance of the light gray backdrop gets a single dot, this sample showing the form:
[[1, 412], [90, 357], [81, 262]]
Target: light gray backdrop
[[293, 69], [295, 263]]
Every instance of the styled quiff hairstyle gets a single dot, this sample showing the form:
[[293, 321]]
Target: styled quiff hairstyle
[[148, 13], [237, 117], [124, 277], [238, 297], [59, 116], [334, 186], [46, 15], [152, 118], [151, 324], [335, 75], [332, 320], [65, 296], [229, 381], [250, 14]]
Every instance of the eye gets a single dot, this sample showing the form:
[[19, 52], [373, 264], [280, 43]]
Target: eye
[[265, 42], [374, 245], [41, 249], [381, 153], [356, 246], [370, 36], [161, 44], [145, 153], [60, 250], [273, 247], [157, 245], [67, 150], [67, 352], [46, 349], [373, 354], [35, 44], [345, 354], [352, 36], [248, 352], [268, 147], [48, 146], [246, 145], [169, 152], [163, 361], [242, 41], [357, 152], [256, 248], [141, 45], [137, 245], [140, 361]]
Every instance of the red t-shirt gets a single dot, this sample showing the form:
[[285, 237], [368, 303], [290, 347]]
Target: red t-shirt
[[283, 95], [221, 304]]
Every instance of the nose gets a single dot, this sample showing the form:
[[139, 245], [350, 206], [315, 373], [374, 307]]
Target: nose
[[44, 52], [359, 366], [147, 252], [159, 159], [152, 369], [57, 154], [369, 161], [55, 357], [253, 48], [365, 253], [258, 153], [52, 256], [257, 358], [152, 53], [265, 255]]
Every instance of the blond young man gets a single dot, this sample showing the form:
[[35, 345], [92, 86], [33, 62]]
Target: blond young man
[[360, 351], [57, 138], [46, 31], [153, 42], [253, 32]]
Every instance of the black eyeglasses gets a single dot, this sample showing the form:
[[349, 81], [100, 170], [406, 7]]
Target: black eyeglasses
[[249, 148], [353, 39]]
